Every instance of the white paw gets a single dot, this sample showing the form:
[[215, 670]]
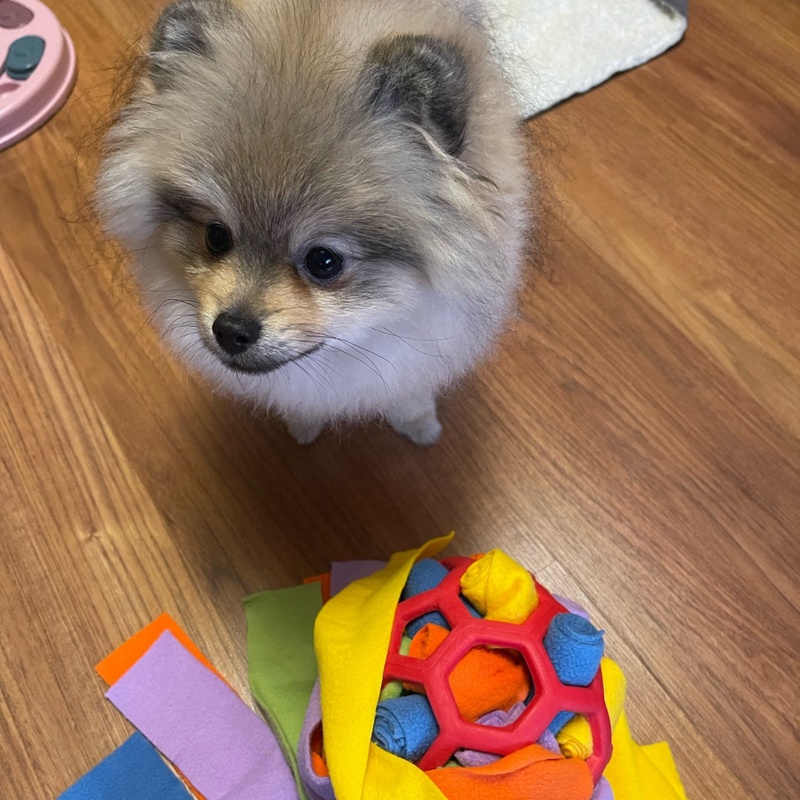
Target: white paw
[[424, 430], [303, 431]]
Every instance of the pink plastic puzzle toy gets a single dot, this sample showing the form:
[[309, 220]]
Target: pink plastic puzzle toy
[[37, 68], [467, 632]]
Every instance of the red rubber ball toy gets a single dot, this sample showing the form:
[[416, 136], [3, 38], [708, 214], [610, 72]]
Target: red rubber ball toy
[[433, 674]]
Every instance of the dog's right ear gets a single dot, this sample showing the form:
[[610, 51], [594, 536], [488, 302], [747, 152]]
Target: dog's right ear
[[424, 79], [184, 29]]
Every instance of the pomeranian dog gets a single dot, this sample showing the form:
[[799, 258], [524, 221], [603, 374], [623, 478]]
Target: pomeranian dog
[[326, 201]]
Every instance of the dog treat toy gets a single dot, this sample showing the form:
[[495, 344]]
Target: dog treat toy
[[551, 643], [37, 68], [452, 679]]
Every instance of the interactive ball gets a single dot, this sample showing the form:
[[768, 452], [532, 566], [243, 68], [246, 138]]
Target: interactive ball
[[550, 696]]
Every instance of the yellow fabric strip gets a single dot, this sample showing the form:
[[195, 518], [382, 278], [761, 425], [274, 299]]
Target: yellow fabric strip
[[500, 588], [392, 778], [351, 638], [661, 756], [634, 776], [634, 772]]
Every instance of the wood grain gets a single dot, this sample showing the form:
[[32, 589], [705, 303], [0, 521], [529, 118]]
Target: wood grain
[[637, 442]]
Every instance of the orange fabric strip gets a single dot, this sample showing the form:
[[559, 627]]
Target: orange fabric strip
[[325, 584], [531, 773], [318, 763], [114, 666]]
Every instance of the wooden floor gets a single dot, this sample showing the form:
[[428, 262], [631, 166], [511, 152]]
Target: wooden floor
[[637, 444]]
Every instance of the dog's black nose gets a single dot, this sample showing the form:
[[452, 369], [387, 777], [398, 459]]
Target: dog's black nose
[[234, 333]]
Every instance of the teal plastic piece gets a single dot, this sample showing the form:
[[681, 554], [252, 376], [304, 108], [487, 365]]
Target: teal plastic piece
[[24, 56]]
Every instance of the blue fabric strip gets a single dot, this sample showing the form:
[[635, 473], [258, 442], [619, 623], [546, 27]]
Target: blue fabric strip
[[134, 771]]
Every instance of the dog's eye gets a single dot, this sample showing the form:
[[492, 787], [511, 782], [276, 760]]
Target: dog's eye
[[218, 238], [323, 264]]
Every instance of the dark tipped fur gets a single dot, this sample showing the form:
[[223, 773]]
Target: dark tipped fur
[[427, 80], [184, 28]]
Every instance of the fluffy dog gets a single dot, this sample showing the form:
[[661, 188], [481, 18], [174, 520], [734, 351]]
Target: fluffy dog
[[326, 201]]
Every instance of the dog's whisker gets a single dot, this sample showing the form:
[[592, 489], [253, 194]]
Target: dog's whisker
[[407, 341], [387, 332], [362, 351], [333, 343]]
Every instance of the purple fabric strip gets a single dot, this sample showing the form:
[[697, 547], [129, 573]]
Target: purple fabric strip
[[343, 573], [573, 607], [201, 725], [494, 719], [499, 719], [603, 790], [316, 787], [549, 742]]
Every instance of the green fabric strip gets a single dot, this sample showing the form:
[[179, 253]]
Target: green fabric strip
[[282, 666]]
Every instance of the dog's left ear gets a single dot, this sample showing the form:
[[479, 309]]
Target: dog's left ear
[[185, 29], [424, 79]]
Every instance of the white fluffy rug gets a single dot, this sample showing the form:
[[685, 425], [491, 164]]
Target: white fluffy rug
[[552, 49]]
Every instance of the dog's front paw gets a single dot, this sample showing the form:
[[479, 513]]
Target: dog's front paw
[[424, 430], [303, 431]]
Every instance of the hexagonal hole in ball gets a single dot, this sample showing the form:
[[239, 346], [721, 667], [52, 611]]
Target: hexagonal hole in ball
[[491, 685]]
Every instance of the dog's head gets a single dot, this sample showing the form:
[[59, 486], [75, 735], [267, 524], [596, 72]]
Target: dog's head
[[293, 184]]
